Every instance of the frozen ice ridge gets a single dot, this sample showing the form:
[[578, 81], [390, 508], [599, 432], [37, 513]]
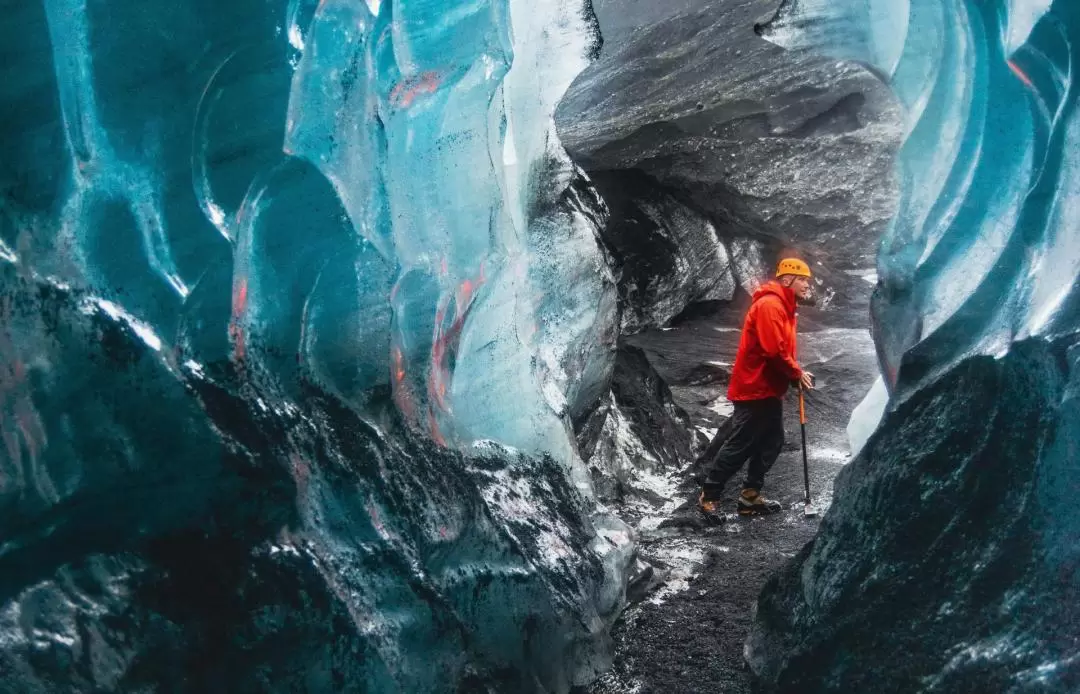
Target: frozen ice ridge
[[299, 300]]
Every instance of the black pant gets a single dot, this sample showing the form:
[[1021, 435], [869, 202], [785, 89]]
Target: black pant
[[756, 434]]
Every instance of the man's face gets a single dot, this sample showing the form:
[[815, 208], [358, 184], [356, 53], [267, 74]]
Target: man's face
[[801, 287]]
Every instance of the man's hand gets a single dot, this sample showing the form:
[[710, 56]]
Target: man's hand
[[807, 380]]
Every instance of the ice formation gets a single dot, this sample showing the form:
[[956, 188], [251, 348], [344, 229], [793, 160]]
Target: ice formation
[[867, 415], [978, 254], [956, 523], [299, 303]]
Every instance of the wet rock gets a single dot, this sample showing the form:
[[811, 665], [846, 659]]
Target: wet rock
[[637, 435], [777, 149], [947, 562], [667, 253], [644, 579]]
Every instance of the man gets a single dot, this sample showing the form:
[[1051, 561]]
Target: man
[[764, 367]]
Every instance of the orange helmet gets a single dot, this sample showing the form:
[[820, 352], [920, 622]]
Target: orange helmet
[[792, 266]]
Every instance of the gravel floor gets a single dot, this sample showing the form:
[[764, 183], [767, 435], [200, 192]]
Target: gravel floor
[[688, 634]]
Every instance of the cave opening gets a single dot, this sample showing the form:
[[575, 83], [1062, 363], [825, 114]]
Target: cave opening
[[717, 153]]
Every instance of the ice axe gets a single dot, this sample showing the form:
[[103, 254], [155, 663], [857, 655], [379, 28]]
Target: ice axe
[[808, 510]]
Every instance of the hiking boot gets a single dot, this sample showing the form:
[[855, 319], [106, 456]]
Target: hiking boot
[[709, 506], [709, 514], [752, 503]]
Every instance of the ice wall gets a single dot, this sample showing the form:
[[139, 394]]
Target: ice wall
[[299, 303], [977, 255], [952, 525], [434, 125]]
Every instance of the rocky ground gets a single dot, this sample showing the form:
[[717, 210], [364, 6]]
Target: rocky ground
[[688, 634]]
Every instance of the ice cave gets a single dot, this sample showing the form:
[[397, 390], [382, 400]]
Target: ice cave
[[378, 345]]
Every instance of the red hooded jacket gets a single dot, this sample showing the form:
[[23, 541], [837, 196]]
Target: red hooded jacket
[[765, 363]]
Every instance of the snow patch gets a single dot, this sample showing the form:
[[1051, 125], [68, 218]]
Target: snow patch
[[296, 40], [685, 563], [869, 276]]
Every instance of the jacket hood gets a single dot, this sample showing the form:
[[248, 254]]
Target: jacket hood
[[786, 294]]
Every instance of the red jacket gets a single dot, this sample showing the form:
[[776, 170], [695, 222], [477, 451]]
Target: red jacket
[[765, 364]]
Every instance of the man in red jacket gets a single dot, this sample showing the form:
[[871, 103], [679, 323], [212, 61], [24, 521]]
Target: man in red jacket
[[764, 368]]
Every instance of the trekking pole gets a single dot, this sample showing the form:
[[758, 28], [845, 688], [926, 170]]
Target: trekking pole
[[808, 510]]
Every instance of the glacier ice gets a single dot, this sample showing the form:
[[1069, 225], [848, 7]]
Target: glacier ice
[[300, 301], [985, 166], [867, 415], [948, 558]]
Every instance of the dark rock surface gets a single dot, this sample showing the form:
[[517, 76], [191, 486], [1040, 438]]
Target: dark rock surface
[[944, 565], [777, 150], [688, 635], [637, 432], [666, 254]]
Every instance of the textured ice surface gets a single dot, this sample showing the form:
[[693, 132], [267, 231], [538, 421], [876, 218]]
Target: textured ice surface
[[866, 417], [979, 252], [948, 561], [869, 31], [299, 300]]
